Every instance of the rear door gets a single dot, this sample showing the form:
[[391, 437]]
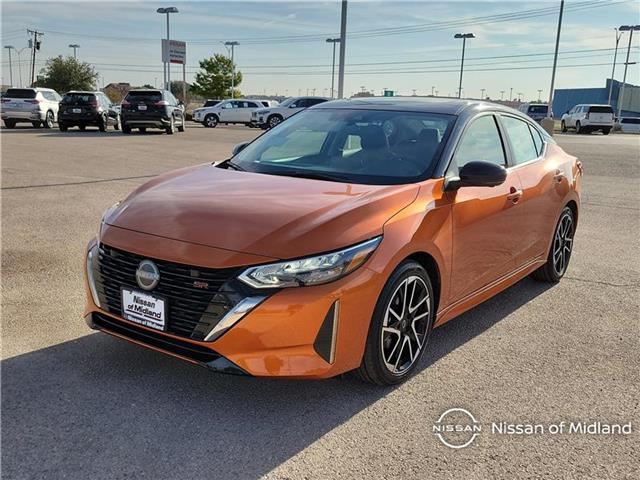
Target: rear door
[[247, 108], [19, 100], [600, 115], [78, 104], [142, 103]]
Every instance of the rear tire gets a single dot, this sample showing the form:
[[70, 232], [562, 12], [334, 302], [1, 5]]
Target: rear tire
[[400, 327], [561, 248], [49, 120], [102, 124], [10, 123], [36, 124], [62, 127], [181, 126], [126, 129], [172, 127], [606, 131], [563, 127], [82, 128], [210, 121], [118, 124], [142, 129], [578, 128]]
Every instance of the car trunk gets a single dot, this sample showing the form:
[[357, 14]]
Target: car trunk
[[600, 114], [143, 103], [78, 104], [19, 100]]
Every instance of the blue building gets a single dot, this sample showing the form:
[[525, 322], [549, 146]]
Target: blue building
[[566, 98]]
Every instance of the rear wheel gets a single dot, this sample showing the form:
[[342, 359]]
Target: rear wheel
[[172, 127], [181, 126], [10, 123], [118, 124], [143, 129], [561, 248], [606, 131], [211, 121], [82, 128], [126, 129], [563, 127], [48, 120], [62, 127], [400, 327], [579, 128], [36, 124], [102, 124]]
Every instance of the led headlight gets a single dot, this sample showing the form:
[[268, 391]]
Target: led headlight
[[311, 270], [105, 215]]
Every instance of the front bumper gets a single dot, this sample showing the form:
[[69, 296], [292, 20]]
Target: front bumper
[[307, 332]]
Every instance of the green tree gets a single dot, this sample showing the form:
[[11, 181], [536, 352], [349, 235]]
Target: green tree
[[64, 74], [214, 78]]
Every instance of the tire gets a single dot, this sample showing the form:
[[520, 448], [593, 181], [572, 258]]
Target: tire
[[62, 127], [579, 128], [172, 127], [274, 121], [36, 124], [49, 120], [142, 129], [10, 123], [606, 131], [102, 124], [118, 124], [126, 129], [381, 363], [82, 128], [561, 243], [563, 127], [181, 126], [211, 121]]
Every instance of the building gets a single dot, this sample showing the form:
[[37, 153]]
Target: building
[[117, 91], [566, 98]]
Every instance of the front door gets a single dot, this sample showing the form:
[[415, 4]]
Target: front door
[[486, 220]]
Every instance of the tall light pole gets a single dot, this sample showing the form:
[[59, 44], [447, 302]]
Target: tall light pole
[[630, 29], [464, 37], [433, 87], [233, 65], [75, 46], [555, 64], [9, 47], [501, 94], [343, 47], [482, 93], [167, 64], [333, 64], [539, 95], [613, 68]]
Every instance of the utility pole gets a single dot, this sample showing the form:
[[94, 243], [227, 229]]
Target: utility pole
[[630, 29], [501, 94], [35, 46], [233, 66], [482, 93], [432, 89], [539, 95], [555, 62], [511, 94], [343, 47], [613, 68], [464, 37], [75, 46], [333, 64], [9, 47]]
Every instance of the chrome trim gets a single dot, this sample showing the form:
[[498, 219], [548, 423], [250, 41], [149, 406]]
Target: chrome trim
[[91, 280], [334, 331], [234, 316]]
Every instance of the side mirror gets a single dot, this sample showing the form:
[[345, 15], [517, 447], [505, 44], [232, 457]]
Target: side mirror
[[478, 174], [238, 148], [293, 106]]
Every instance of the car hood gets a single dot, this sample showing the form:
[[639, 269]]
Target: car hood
[[272, 216]]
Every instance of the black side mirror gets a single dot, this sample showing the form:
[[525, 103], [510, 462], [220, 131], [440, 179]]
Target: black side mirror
[[478, 174], [239, 147]]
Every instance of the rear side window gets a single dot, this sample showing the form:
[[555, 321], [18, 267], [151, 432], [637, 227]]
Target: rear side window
[[315, 101], [605, 109], [79, 98], [633, 121], [537, 139], [481, 141], [144, 96], [211, 103], [538, 109], [20, 93], [521, 140]]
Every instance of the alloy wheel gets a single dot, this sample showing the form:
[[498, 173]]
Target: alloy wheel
[[211, 121], [49, 119], [274, 121], [563, 244], [404, 329]]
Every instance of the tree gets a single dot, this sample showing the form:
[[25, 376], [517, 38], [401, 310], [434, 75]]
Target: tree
[[176, 89], [214, 78], [64, 74]]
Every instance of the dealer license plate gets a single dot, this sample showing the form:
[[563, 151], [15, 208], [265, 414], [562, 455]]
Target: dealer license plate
[[144, 309]]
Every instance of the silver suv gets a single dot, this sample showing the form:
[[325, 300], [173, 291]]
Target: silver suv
[[589, 118], [38, 106], [272, 116], [227, 111]]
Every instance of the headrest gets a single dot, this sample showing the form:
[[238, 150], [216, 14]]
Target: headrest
[[429, 135], [372, 138]]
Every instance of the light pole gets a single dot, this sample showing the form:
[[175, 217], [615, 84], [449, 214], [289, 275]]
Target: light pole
[[464, 37], [9, 47], [233, 65], [75, 46], [613, 68], [333, 64], [432, 89], [343, 48], [167, 63], [482, 93], [549, 124], [501, 94], [630, 29], [539, 95], [511, 94]]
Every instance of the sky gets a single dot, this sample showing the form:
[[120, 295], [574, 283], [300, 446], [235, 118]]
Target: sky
[[403, 46]]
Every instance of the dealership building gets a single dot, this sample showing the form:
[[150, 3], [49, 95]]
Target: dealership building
[[566, 98]]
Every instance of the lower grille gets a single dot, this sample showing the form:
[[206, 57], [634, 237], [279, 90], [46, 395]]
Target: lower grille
[[198, 298]]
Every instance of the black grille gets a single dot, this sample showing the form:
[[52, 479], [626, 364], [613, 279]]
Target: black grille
[[192, 311]]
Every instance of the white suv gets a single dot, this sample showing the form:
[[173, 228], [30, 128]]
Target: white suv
[[38, 106], [270, 117], [589, 118], [227, 111]]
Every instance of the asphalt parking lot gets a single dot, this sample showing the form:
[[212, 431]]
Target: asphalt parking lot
[[80, 404]]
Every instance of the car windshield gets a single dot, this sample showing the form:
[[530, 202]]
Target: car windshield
[[538, 109], [355, 146], [20, 93], [79, 98]]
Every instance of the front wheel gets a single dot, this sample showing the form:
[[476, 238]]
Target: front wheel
[[102, 124], [10, 123], [561, 248], [563, 127], [126, 129], [62, 127], [211, 121], [181, 126], [36, 124], [274, 121], [172, 126], [400, 327]]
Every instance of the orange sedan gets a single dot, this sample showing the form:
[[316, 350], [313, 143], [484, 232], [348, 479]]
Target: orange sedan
[[336, 241]]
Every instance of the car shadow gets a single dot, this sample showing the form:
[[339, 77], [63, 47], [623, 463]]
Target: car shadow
[[98, 407]]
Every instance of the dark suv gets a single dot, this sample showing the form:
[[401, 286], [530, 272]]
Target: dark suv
[[81, 109], [144, 109]]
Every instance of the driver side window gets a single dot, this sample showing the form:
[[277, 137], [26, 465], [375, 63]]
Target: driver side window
[[481, 141]]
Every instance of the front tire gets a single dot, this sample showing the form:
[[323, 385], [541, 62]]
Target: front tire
[[563, 127], [210, 121], [10, 123], [274, 121], [400, 327], [560, 251], [118, 124], [126, 129], [36, 124], [102, 124]]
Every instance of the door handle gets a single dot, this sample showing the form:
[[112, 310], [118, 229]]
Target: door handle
[[514, 194], [559, 176]]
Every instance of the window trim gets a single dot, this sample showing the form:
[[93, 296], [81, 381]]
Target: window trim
[[512, 164]]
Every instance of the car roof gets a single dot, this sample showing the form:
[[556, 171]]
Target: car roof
[[82, 91], [447, 106]]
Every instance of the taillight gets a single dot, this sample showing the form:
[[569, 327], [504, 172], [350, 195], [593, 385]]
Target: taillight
[[35, 102], [161, 103], [5, 100]]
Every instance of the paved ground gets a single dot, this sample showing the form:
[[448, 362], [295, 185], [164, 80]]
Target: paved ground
[[79, 404]]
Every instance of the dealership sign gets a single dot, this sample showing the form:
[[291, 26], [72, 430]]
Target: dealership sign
[[175, 52]]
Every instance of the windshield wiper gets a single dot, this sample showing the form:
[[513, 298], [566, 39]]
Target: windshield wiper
[[310, 175], [233, 166]]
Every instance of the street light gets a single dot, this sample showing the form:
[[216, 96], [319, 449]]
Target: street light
[[333, 63], [613, 68], [464, 37], [75, 46], [9, 47], [167, 64], [630, 29], [233, 65]]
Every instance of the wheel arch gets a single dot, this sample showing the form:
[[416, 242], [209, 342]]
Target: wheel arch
[[429, 263]]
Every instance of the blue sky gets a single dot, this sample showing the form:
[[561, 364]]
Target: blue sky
[[122, 40]]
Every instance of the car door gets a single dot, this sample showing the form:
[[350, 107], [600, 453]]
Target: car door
[[247, 108], [486, 221], [225, 111], [295, 107], [544, 185]]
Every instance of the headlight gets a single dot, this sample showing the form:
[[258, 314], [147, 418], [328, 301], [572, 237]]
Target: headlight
[[106, 214], [312, 270]]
